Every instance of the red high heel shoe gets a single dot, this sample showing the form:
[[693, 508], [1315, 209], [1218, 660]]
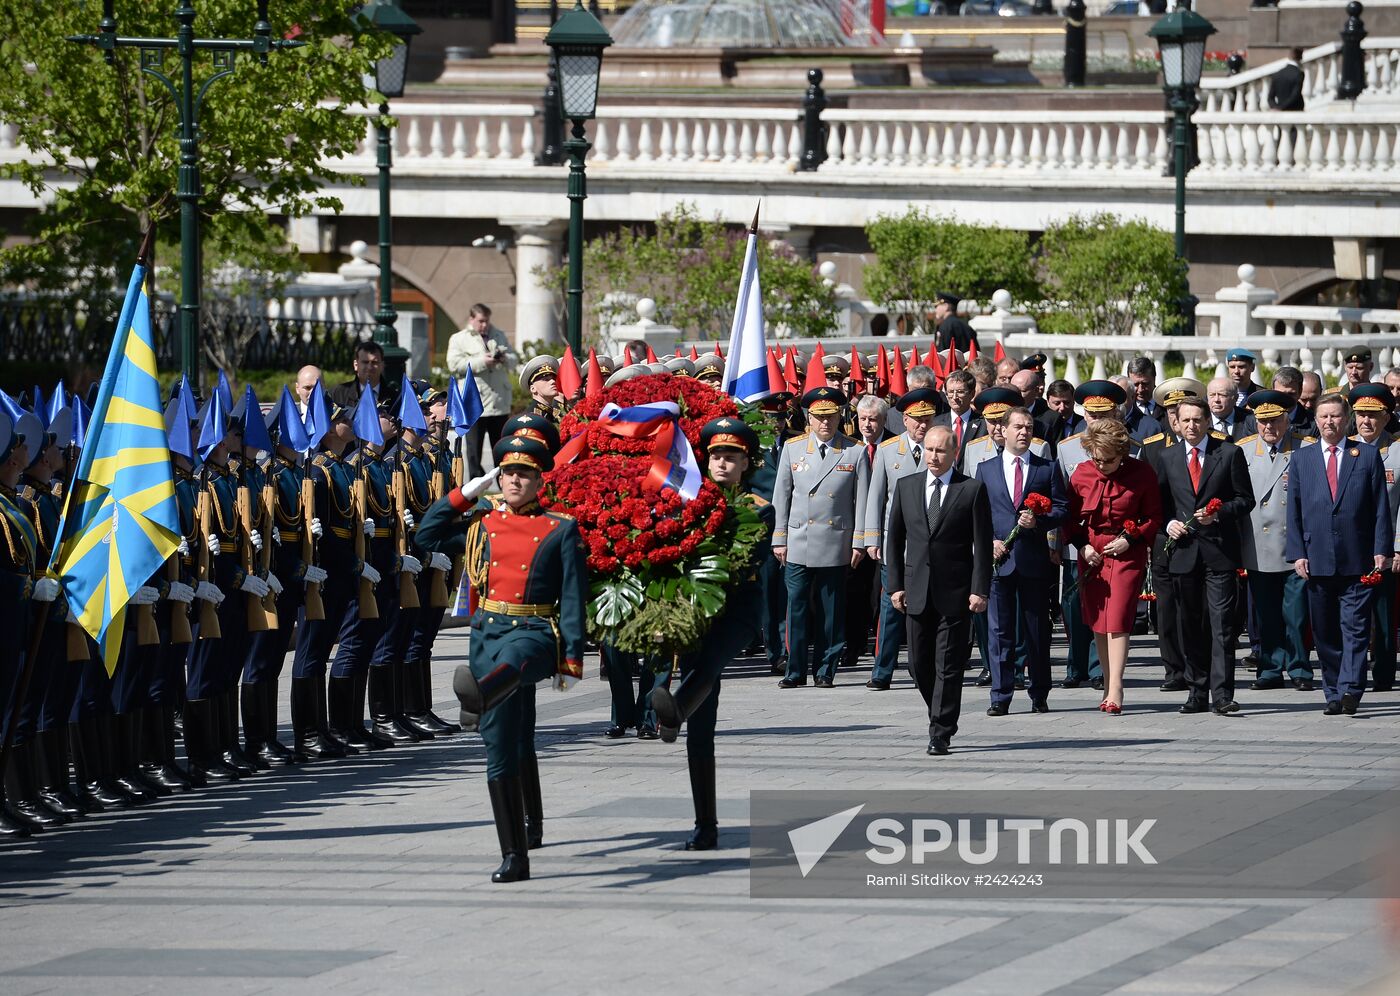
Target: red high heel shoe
[[1103, 706], [1113, 708]]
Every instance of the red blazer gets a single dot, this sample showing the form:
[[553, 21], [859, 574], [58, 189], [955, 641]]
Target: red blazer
[[1098, 506]]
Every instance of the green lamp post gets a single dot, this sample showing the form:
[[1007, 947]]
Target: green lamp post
[[578, 40], [390, 74], [188, 100]]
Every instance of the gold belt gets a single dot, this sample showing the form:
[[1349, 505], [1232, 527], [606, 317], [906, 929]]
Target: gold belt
[[288, 536], [340, 532], [518, 608]]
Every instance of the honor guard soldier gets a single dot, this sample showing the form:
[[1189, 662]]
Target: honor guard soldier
[[541, 378], [338, 572], [627, 373], [894, 459], [730, 446], [1371, 409], [1278, 594], [680, 366], [819, 508], [527, 565], [606, 366], [709, 369]]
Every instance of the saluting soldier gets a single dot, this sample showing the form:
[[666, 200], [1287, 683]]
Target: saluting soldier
[[528, 627], [541, 378], [1279, 595], [819, 509], [1371, 408], [895, 459]]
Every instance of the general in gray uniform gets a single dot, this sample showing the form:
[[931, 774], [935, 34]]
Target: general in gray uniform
[[1372, 406]]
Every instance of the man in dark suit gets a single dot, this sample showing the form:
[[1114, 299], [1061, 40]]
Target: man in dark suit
[[1060, 420], [1019, 585], [950, 328], [939, 517], [966, 425], [1286, 85], [1339, 529], [369, 369], [1144, 416], [1226, 418], [1204, 555]]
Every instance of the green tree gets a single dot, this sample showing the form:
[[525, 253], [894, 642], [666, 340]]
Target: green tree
[[919, 256], [1104, 275], [690, 267], [105, 138]]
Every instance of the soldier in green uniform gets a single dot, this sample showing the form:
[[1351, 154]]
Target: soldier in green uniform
[[527, 565], [730, 446]]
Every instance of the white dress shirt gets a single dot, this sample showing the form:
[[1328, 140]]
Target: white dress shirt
[[929, 478], [1008, 469]]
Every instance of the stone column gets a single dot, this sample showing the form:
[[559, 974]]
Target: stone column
[[1238, 304], [539, 244]]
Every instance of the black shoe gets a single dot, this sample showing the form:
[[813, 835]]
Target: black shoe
[[1172, 685], [821, 682], [1040, 706], [1333, 709], [984, 680], [1226, 707], [1071, 683], [11, 828], [997, 709], [879, 686], [1191, 706], [1383, 686], [37, 813], [703, 838], [791, 683], [1266, 684], [615, 732], [1096, 684], [702, 792], [1020, 683], [62, 801], [1251, 662], [1303, 684], [647, 732], [937, 746], [1349, 704], [778, 667], [508, 809]]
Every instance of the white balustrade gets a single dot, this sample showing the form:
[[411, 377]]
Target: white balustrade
[[1249, 90]]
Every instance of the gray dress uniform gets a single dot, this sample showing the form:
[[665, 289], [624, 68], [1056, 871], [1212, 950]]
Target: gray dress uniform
[[894, 459], [983, 448], [819, 503]]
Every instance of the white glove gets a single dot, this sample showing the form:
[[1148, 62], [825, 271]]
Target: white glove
[[440, 562], [144, 595], [212, 541], [478, 486], [563, 682], [410, 564], [276, 535], [45, 590], [254, 585], [256, 539], [273, 583], [408, 519], [315, 575], [369, 526], [206, 592], [180, 592], [369, 574], [184, 548], [316, 529]]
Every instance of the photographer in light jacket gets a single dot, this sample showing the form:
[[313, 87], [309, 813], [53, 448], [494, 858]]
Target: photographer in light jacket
[[484, 352]]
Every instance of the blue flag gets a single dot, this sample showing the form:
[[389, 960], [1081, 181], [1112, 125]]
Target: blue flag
[[287, 422], [410, 411], [41, 407], [367, 428], [255, 436], [57, 401], [81, 417], [121, 521], [318, 416], [225, 392], [12, 407], [214, 426], [181, 439], [463, 413]]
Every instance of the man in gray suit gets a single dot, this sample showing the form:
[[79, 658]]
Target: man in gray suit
[[1279, 595], [819, 509]]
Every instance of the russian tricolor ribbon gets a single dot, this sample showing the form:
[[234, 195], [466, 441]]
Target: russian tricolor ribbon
[[673, 463]]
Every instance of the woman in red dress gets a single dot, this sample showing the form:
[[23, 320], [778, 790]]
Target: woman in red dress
[[1114, 510]]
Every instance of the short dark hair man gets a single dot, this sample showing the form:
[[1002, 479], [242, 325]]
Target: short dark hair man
[[369, 370]]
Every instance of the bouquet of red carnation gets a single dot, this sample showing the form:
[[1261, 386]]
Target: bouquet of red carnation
[[660, 565], [1036, 504], [1371, 579], [1192, 524], [1148, 593]]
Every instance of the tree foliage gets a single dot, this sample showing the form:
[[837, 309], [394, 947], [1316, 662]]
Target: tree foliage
[[690, 266], [1105, 275], [920, 256], [105, 137]]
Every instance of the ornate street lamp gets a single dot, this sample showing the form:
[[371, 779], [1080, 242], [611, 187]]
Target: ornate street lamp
[[1181, 40], [390, 73], [578, 40]]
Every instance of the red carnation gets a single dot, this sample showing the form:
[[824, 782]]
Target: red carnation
[[1213, 506], [1372, 579], [1036, 503]]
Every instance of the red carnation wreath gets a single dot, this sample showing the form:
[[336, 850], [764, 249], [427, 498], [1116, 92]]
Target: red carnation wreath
[[659, 567]]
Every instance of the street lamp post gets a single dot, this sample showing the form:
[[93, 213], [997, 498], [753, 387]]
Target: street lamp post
[[390, 74], [188, 100], [578, 40], [1181, 40]]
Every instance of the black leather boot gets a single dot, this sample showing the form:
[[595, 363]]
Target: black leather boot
[[380, 683], [373, 739], [534, 804], [409, 704], [126, 736], [702, 789], [202, 748], [328, 732], [245, 706], [478, 696], [158, 757], [136, 793], [22, 795], [91, 793], [340, 702], [268, 690], [674, 708], [13, 826], [258, 729], [508, 808], [419, 674], [225, 706], [51, 757], [306, 726], [170, 726]]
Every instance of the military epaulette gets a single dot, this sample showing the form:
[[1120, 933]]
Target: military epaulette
[[28, 492], [891, 441], [1248, 439], [759, 500], [1077, 435], [321, 459], [1037, 439], [1308, 439], [796, 438], [1217, 434], [1149, 439]]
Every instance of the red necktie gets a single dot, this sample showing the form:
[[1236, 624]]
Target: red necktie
[[957, 429], [1194, 466], [870, 452], [1018, 484], [1332, 471]]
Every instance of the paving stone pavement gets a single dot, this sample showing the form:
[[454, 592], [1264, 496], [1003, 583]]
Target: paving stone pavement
[[372, 874]]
